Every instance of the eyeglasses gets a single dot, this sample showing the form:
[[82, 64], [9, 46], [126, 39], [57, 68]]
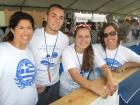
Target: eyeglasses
[[112, 33], [83, 26]]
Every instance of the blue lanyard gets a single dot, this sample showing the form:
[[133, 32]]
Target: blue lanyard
[[50, 57], [82, 72], [113, 59]]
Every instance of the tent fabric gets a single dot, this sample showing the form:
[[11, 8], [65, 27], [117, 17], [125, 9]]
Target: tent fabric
[[122, 7]]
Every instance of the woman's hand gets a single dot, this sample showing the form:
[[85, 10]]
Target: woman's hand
[[102, 91], [40, 88], [128, 65], [122, 68], [112, 86]]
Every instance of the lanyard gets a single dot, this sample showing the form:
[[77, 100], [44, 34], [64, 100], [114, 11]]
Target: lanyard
[[50, 57], [113, 58], [82, 72]]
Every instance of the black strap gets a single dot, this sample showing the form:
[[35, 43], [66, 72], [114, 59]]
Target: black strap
[[90, 71]]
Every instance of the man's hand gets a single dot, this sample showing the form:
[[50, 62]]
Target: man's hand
[[40, 88]]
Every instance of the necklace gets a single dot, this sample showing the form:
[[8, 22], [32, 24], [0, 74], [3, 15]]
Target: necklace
[[82, 72], [50, 57], [113, 58], [85, 74]]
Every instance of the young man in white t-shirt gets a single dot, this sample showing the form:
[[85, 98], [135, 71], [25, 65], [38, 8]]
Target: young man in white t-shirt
[[47, 45]]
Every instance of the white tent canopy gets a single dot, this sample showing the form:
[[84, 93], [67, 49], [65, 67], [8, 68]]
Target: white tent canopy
[[121, 7]]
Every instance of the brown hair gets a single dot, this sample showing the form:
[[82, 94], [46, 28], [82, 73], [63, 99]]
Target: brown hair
[[14, 21], [101, 34], [88, 55], [54, 5]]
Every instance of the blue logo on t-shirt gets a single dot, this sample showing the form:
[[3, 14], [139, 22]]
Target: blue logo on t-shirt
[[113, 64], [25, 74], [54, 54], [48, 60], [45, 61]]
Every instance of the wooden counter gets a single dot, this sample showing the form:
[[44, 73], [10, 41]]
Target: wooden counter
[[85, 97]]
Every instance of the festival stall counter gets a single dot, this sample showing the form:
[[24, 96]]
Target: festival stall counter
[[86, 97]]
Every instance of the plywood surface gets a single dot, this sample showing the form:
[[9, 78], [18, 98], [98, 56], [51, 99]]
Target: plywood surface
[[84, 96]]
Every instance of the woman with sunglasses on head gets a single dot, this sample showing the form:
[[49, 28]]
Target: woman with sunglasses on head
[[117, 57], [17, 70], [78, 61]]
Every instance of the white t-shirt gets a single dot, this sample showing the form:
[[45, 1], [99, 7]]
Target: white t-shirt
[[47, 53], [70, 60], [17, 76], [117, 57]]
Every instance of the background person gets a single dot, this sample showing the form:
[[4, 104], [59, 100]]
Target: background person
[[1, 34]]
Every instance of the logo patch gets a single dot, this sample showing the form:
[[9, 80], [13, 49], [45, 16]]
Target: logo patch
[[113, 63], [25, 74]]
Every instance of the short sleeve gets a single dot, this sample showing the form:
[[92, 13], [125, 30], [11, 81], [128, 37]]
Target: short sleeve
[[98, 60], [67, 59], [131, 55]]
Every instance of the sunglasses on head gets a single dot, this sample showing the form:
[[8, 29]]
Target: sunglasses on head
[[83, 26], [112, 33]]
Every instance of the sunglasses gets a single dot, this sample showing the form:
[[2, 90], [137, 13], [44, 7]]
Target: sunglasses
[[112, 33]]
